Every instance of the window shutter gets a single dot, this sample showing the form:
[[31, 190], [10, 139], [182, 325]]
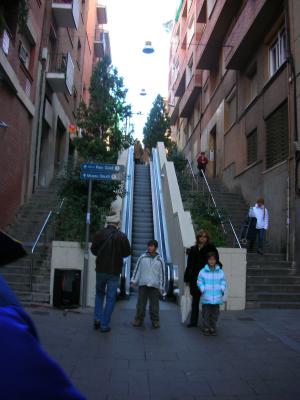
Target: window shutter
[[252, 147], [277, 136]]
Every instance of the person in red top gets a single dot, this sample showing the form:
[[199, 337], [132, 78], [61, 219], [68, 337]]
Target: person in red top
[[202, 161]]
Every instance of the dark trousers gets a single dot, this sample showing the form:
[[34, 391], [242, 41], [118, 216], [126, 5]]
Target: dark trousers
[[260, 234], [210, 315], [195, 307], [152, 293]]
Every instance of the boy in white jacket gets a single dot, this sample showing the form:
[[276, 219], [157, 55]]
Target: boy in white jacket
[[149, 276], [261, 214]]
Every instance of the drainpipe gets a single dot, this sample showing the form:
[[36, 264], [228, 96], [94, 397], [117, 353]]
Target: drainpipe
[[291, 80]]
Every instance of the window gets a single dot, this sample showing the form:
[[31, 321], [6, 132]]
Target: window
[[24, 54], [230, 109], [78, 53], [5, 42], [189, 72], [210, 6], [252, 147], [205, 95], [190, 31], [251, 84], [277, 136], [277, 52]]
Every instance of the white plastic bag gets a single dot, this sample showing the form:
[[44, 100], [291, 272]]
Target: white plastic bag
[[185, 304]]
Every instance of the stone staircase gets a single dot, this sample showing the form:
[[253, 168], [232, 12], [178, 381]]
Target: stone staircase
[[271, 282], [142, 219], [26, 226]]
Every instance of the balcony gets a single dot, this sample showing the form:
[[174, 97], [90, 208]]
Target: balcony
[[66, 13], [255, 20], [102, 44], [101, 14], [207, 55], [190, 95], [61, 74]]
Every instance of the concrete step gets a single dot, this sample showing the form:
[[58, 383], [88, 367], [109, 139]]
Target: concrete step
[[271, 304], [255, 257], [276, 280], [269, 271], [273, 288], [274, 297]]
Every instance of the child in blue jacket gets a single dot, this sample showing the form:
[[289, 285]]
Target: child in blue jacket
[[212, 284]]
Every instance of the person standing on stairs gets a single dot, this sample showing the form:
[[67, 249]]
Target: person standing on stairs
[[261, 214], [202, 161], [197, 259], [149, 276], [138, 152], [110, 246]]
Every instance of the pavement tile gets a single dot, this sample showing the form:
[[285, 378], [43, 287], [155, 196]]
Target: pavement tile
[[245, 362], [229, 387]]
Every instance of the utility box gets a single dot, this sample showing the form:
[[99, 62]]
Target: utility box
[[66, 288]]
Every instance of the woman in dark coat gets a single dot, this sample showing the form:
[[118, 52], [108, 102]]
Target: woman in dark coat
[[197, 259]]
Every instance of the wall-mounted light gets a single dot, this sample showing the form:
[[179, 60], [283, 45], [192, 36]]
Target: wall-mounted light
[[143, 92]]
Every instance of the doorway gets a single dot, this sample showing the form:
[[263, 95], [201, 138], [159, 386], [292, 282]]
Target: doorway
[[60, 144]]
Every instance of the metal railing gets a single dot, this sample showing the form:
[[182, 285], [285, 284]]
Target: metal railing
[[39, 236], [206, 187], [127, 210]]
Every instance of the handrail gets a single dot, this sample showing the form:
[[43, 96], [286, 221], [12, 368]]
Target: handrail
[[215, 204], [159, 219], [39, 236], [127, 210]]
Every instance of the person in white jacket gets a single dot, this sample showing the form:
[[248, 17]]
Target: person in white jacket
[[261, 214], [149, 276]]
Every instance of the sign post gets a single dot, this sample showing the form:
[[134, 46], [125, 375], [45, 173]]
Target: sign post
[[90, 172]]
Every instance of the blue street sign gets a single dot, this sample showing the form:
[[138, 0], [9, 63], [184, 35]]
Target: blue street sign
[[101, 167], [99, 176]]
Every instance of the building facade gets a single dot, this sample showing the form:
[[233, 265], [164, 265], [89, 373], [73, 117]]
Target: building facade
[[45, 72], [231, 90]]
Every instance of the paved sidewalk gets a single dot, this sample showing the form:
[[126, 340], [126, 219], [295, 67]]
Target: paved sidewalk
[[255, 356]]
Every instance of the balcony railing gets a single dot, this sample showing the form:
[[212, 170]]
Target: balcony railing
[[61, 73], [66, 13], [102, 44]]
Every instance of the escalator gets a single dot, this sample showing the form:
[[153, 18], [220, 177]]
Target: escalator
[[143, 218]]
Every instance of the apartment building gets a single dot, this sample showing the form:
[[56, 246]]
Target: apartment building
[[45, 71], [232, 95]]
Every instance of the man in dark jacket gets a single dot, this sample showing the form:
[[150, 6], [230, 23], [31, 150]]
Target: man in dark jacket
[[110, 246], [197, 258]]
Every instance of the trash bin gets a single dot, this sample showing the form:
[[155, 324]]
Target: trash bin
[[66, 288]]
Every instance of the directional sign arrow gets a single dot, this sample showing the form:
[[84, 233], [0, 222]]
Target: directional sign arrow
[[101, 167], [105, 176]]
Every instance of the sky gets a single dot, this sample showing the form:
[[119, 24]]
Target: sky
[[130, 24]]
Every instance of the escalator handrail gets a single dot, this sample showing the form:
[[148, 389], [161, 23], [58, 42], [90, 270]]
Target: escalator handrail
[[159, 220], [127, 211]]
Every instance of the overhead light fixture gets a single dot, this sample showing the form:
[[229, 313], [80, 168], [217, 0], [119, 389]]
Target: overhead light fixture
[[148, 48], [143, 92], [3, 125]]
